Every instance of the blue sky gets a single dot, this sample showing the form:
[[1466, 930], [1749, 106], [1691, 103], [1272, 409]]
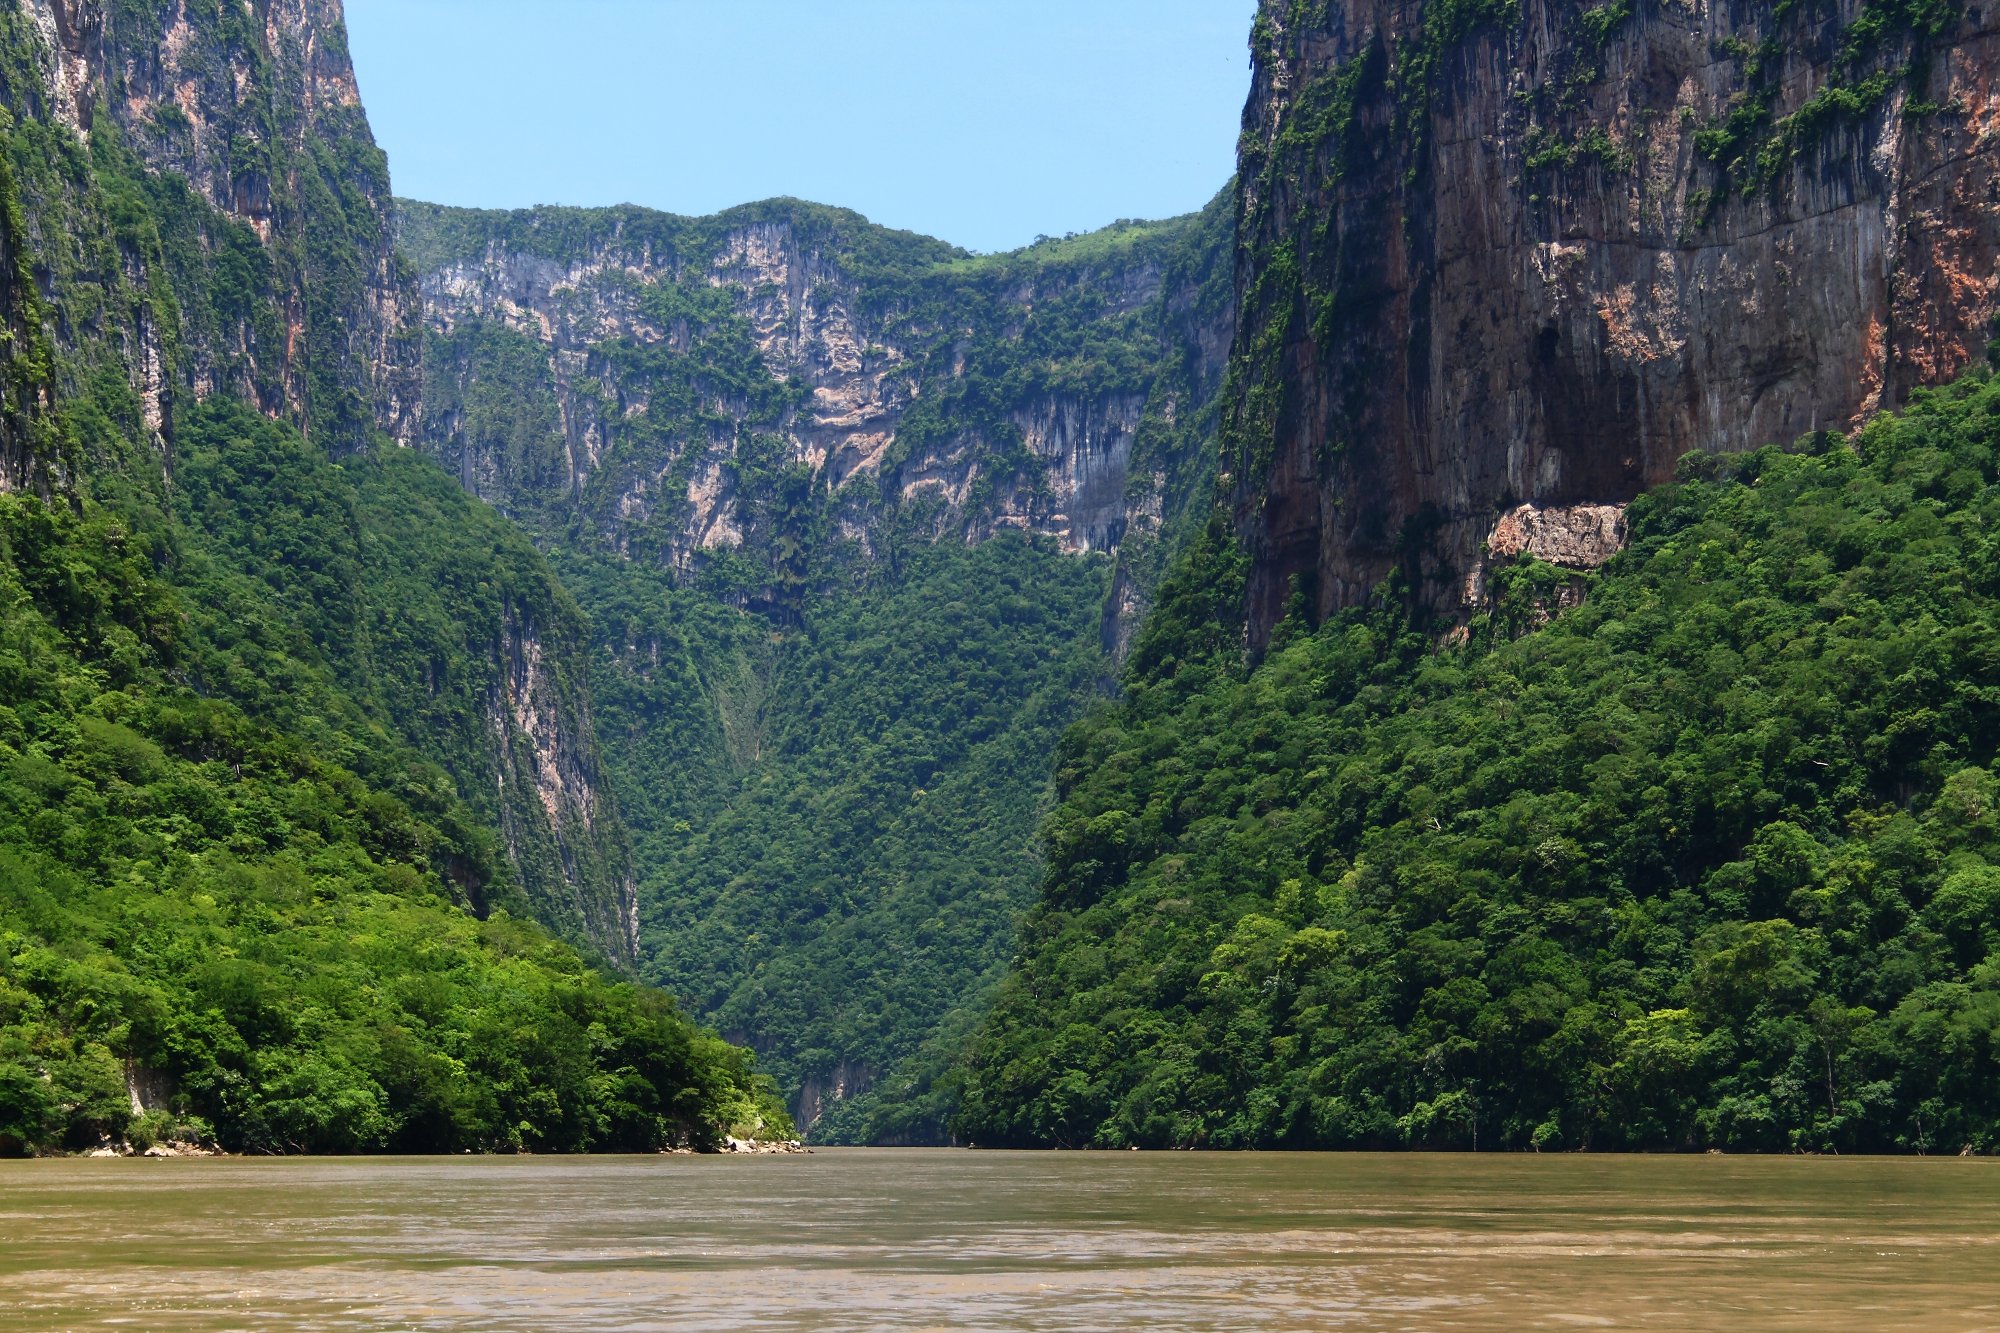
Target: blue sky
[[985, 122]]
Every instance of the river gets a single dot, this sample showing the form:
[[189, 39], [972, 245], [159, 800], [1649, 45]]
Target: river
[[1057, 1241]]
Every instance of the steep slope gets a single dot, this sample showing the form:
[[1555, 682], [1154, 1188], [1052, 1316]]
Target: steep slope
[[1709, 861], [196, 212], [210, 930], [252, 122], [292, 741], [1499, 253], [857, 519]]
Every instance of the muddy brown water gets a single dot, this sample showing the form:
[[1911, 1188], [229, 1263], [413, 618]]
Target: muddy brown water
[[951, 1240]]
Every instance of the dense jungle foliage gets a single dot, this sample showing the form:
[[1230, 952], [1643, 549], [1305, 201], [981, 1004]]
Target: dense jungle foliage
[[832, 820], [371, 602], [203, 910], [1713, 861], [850, 879]]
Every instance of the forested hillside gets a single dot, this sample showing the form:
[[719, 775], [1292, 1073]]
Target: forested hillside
[[860, 523], [1712, 860], [295, 741], [213, 929]]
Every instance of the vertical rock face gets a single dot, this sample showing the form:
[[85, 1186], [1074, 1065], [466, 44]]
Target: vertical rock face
[[656, 379], [550, 783], [255, 108], [1495, 254]]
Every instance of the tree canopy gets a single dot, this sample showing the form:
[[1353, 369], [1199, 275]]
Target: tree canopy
[[1710, 861]]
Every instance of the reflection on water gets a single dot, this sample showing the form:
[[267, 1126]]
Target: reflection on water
[[925, 1240]]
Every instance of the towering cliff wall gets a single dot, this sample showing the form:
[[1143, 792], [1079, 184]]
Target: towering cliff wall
[[684, 390], [196, 213], [1498, 254], [254, 111]]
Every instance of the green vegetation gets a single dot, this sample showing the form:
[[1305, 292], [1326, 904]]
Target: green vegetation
[[856, 877], [1318, 143], [878, 259], [833, 821], [1712, 861], [1420, 64], [371, 608], [274, 728], [193, 895], [831, 740], [1888, 45]]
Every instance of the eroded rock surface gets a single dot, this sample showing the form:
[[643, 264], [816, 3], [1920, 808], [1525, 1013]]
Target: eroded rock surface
[[1495, 255], [682, 364], [1573, 536]]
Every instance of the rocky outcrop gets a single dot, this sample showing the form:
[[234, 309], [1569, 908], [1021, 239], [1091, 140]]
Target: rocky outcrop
[[687, 367], [257, 110], [818, 1092], [1573, 537], [1086, 445], [1498, 254], [551, 790]]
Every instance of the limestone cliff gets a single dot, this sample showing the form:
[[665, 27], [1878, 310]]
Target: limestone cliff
[[256, 110], [1496, 254], [682, 388], [560, 827]]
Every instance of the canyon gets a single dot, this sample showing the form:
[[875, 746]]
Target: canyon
[[753, 440], [719, 593]]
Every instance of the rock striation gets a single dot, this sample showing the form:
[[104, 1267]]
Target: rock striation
[[1495, 254], [653, 379]]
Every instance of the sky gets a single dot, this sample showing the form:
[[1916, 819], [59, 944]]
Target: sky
[[984, 122]]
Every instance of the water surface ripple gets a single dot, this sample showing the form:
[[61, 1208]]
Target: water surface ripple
[[951, 1240]]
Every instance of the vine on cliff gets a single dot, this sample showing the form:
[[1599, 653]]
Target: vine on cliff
[[1751, 152], [1298, 290], [1445, 27]]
